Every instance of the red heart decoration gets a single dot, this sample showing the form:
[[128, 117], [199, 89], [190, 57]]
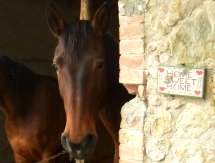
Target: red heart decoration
[[197, 92], [161, 69], [199, 72], [162, 88]]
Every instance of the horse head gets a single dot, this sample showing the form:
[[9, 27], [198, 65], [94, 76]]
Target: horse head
[[81, 63]]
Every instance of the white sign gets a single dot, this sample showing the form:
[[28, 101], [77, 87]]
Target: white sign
[[181, 81]]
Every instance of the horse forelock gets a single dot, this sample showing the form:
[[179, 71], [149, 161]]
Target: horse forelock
[[74, 38]]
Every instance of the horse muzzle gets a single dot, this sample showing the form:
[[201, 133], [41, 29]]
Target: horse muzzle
[[82, 150]]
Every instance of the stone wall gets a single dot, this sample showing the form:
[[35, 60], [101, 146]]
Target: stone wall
[[157, 127], [25, 36]]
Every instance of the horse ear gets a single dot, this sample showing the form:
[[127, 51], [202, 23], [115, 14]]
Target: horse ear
[[101, 19], [55, 21]]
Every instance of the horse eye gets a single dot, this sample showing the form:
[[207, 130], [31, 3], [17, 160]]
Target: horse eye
[[99, 65]]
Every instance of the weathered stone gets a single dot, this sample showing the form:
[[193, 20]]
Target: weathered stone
[[191, 37], [176, 129], [153, 71], [132, 7], [131, 31], [129, 161], [176, 103], [157, 149], [132, 62], [121, 7], [135, 123], [191, 150], [154, 99], [164, 58], [194, 121], [161, 123], [135, 46], [132, 76], [131, 137], [142, 92], [151, 86], [135, 19], [152, 65], [129, 10], [152, 46], [133, 113], [131, 152]]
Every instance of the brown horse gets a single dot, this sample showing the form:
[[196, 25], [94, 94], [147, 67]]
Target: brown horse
[[86, 59], [33, 111]]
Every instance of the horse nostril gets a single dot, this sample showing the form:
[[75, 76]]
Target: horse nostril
[[81, 150], [89, 143], [65, 143], [87, 139]]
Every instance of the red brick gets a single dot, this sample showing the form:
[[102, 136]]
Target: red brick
[[131, 31], [132, 76], [132, 62], [134, 46], [128, 20], [132, 88]]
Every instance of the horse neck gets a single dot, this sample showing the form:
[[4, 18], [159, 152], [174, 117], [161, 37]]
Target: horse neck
[[17, 94]]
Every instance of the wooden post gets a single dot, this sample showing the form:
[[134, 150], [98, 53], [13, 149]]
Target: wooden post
[[85, 10], [79, 161]]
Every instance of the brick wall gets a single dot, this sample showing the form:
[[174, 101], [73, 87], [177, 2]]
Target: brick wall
[[132, 57], [132, 75]]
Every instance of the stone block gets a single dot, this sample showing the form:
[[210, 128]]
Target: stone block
[[132, 62], [131, 88], [131, 137], [134, 46], [128, 20], [133, 122], [129, 161], [131, 31], [135, 153], [154, 99], [161, 123], [157, 149], [132, 76], [133, 114], [195, 121], [152, 46]]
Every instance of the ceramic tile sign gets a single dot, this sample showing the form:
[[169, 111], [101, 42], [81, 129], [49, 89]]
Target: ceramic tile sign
[[181, 81]]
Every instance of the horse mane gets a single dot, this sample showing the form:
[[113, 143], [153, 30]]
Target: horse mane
[[74, 37], [17, 76]]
